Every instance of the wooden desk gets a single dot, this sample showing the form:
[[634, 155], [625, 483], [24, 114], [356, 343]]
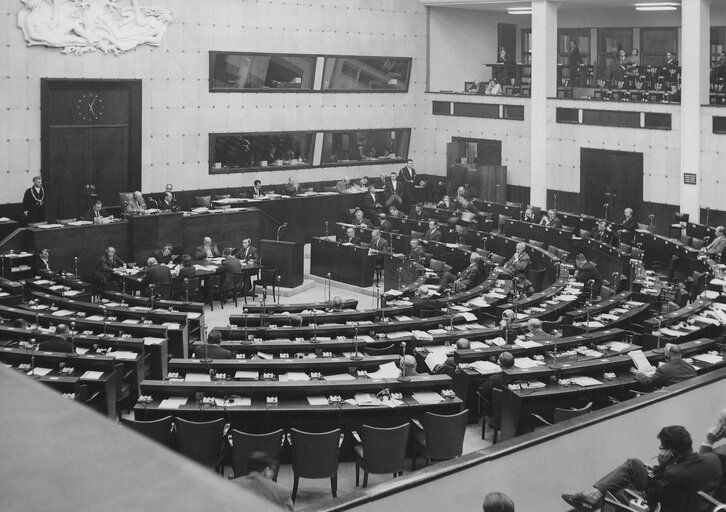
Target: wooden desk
[[347, 264], [549, 236], [324, 365]]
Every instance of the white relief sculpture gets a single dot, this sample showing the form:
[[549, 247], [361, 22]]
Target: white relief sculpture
[[82, 26]]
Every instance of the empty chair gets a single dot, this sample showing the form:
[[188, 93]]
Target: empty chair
[[494, 418], [436, 265], [537, 243], [442, 437], [158, 430], [267, 277], [552, 249], [202, 441], [315, 455], [562, 414], [243, 444], [382, 451], [497, 259]]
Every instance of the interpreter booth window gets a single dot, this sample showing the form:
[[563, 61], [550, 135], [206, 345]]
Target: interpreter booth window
[[655, 43], [384, 74], [365, 146], [240, 152], [252, 72]]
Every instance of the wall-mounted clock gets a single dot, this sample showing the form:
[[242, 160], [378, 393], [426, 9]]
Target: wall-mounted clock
[[89, 106]]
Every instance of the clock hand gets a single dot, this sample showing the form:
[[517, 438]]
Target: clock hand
[[90, 108]]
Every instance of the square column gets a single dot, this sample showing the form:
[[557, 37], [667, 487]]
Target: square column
[[695, 29], [544, 85]]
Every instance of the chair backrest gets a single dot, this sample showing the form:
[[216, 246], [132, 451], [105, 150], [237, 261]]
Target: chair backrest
[[686, 239], [483, 253], [243, 444], [158, 430], [552, 249], [416, 234], [585, 233], [124, 198], [162, 290], [268, 274], [381, 351], [384, 449], [637, 253], [436, 265], [566, 414], [204, 201], [496, 420], [696, 243], [537, 243], [497, 259], [192, 286], [314, 455], [624, 248], [201, 441], [445, 434], [606, 292]]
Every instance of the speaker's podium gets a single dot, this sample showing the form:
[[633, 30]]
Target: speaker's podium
[[287, 258]]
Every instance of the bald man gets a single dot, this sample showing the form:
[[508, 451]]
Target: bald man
[[207, 250], [519, 263], [673, 371]]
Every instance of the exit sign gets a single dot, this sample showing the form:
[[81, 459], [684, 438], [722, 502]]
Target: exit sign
[[690, 178]]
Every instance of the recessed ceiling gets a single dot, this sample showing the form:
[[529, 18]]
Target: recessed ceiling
[[503, 5]]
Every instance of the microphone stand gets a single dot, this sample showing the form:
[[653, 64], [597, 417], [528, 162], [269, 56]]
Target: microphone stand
[[73, 340], [105, 320], [206, 360], [326, 229], [328, 277], [315, 327], [555, 205], [278, 279], [355, 356], [448, 311], [660, 319], [152, 287], [607, 206], [264, 305], [186, 289], [244, 315], [708, 212], [403, 377]]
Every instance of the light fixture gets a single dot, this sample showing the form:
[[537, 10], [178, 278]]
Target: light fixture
[[657, 6], [519, 10]]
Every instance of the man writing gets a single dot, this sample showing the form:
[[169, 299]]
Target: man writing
[[589, 275], [155, 274], [97, 214]]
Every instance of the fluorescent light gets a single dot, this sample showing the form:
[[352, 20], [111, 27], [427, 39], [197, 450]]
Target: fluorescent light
[[520, 10], [657, 8]]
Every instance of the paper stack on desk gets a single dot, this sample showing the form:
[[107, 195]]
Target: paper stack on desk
[[385, 371], [478, 302], [317, 400], [427, 397], [91, 375], [339, 376], [173, 403], [366, 400], [244, 375], [197, 377], [526, 362], [485, 367], [708, 358], [585, 381], [125, 355]]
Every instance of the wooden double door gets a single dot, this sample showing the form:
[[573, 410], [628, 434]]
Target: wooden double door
[[91, 142], [609, 177]]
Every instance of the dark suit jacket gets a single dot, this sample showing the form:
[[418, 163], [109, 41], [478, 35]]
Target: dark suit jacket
[[587, 272], [433, 235], [369, 204], [519, 267], [253, 193], [365, 221], [630, 224], [105, 267], [675, 486], [386, 226], [557, 223], [417, 216], [91, 214], [380, 244], [290, 190], [163, 205], [407, 178], [36, 210], [427, 307], [159, 255], [41, 266], [56, 345], [229, 267], [603, 236], [470, 277], [249, 255], [213, 352], [675, 370], [416, 253], [186, 272], [345, 240], [157, 274], [202, 255], [388, 189]]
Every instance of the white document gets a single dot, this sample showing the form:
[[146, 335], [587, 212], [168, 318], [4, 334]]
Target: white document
[[485, 367], [469, 317], [317, 400], [585, 381], [91, 375], [339, 376], [434, 359], [385, 371], [173, 403], [197, 377], [246, 374], [427, 397]]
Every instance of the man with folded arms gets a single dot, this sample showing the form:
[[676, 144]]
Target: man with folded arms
[[519, 262], [673, 483]]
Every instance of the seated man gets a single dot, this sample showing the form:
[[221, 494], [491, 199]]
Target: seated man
[[359, 221], [603, 233], [212, 350], [168, 203], [445, 203], [106, 264], [137, 204], [417, 252], [673, 483], [256, 191], [426, 306], [469, 278], [292, 188], [248, 253], [551, 221], [590, 276], [349, 237], [343, 185], [229, 267], [164, 255], [187, 270], [407, 364], [529, 216], [538, 334], [418, 212], [378, 243], [207, 250], [674, 370], [385, 224], [59, 343], [519, 263], [497, 380], [155, 274], [395, 213], [336, 304], [448, 367], [371, 206], [41, 263], [97, 214], [433, 234], [717, 245]]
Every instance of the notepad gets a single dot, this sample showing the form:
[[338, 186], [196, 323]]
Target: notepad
[[317, 400], [246, 375], [365, 400], [485, 367], [130, 321], [197, 377], [297, 376], [427, 397], [385, 371], [40, 372], [62, 312], [122, 354], [150, 340], [173, 403], [91, 375], [708, 358], [339, 376], [73, 293]]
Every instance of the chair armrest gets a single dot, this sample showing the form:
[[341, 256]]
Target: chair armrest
[[540, 419]]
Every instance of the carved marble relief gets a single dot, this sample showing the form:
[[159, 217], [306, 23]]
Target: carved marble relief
[[82, 26]]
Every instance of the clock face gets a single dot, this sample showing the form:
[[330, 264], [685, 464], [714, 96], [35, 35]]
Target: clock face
[[89, 106]]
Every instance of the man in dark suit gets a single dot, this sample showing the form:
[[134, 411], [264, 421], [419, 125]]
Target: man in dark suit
[[417, 252], [41, 262], [425, 305], [378, 243], [497, 380], [418, 212], [212, 349], [349, 237], [575, 59], [97, 214], [164, 255], [589, 275], [248, 252], [519, 263], [106, 264], [470, 277], [371, 206], [407, 177], [359, 221], [603, 233], [385, 224], [229, 267], [207, 250], [551, 221], [155, 274], [433, 234], [393, 191], [673, 483], [630, 223], [59, 343], [168, 203], [34, 202], [187, 270], [256, 191], [674, 370]]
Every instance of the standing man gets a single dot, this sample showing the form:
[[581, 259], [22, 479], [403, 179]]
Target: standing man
[[575, 59], [34, 202], [407, 177]]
